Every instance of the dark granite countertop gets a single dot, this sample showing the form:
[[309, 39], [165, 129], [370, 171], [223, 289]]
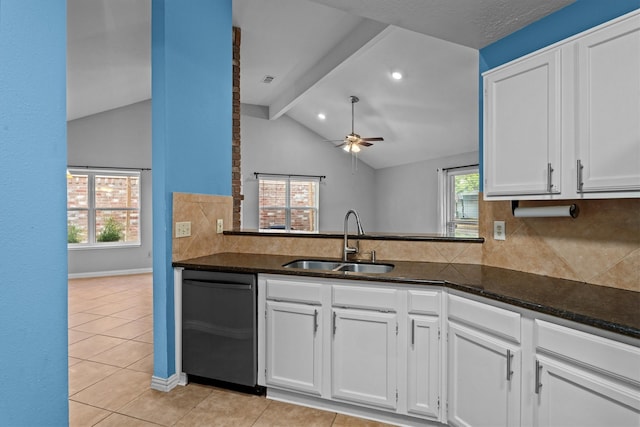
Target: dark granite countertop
[[606, 308]]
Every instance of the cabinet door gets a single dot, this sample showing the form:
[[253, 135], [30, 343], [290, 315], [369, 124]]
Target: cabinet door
[[568, 395], [608, 108], [484, 379], [424, 366], [294, 351], [522, 127], [364, 357]]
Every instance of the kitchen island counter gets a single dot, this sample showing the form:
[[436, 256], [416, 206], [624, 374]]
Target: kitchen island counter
[[611, 309]]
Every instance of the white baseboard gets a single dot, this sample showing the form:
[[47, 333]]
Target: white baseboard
[[165, 384], [110, 273]]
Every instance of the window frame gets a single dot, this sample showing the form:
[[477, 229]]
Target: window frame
[[288, 180], [92, 209], [447, 200]]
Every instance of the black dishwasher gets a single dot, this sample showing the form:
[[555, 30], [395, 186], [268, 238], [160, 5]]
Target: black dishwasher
[[219, 327]]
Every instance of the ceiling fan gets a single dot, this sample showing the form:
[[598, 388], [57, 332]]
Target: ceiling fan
[[352, 142]]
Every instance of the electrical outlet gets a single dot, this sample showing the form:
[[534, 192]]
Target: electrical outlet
[[219, 226], [499, 232], [183, 229]]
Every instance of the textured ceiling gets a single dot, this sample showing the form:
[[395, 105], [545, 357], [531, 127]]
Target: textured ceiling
[[472, 23]]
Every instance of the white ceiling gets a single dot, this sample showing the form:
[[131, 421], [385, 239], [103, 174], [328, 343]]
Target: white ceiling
[[320, 52], [108, 55]]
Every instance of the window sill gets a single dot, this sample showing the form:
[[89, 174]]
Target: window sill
[[117, 245]]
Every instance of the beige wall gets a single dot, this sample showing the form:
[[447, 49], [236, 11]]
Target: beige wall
[[601, 246]]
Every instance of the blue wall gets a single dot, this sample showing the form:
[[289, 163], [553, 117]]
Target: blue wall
[[191, 126], [33, 249], [571, 20]]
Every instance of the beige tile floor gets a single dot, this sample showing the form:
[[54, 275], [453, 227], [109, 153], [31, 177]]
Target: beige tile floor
[[111, 363]]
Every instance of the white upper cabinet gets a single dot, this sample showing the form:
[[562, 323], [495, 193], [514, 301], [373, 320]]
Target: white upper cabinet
[[564, 122], [522, 107], [608, 108]]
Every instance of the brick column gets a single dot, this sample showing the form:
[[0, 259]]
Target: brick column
[[236, 180]]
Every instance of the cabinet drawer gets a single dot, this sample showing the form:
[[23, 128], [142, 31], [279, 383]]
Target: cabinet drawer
[[424, 302], [498, 321], [364, 297], [304, 292], [597, 352]]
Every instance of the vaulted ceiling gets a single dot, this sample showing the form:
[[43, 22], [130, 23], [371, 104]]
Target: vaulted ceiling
[[319, 52]]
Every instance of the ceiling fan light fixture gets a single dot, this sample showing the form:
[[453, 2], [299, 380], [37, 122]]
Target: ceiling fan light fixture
[[396, 75]]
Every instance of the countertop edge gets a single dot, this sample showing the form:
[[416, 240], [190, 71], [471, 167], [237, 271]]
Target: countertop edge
[[622, 329]]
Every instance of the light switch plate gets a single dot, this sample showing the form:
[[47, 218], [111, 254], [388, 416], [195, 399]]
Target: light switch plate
[[183, 229], [219, 226], [499, 232]]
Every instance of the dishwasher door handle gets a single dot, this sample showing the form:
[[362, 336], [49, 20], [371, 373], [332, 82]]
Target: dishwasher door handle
[[219, 285]]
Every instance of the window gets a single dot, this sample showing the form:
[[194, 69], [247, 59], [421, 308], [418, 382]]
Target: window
[[103, 208], [288, 203], [459, 189]]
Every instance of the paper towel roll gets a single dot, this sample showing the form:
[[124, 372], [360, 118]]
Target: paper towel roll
[[546, 212]]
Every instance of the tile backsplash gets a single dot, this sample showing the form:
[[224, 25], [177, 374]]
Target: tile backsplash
[[601, 246], [202, 210]]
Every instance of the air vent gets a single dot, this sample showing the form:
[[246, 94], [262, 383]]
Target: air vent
[[267, 79]]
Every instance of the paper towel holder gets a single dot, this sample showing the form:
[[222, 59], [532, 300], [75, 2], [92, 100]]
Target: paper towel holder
[[572, 210]]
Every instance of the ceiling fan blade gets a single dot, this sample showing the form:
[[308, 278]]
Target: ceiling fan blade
[[364, 143], [341, 145], [333, 140], [376, 138]]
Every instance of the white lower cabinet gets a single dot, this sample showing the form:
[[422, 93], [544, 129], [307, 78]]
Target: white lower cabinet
[[484, 379], [378, 350], [373, 346], [364, 361], [294, 346], [570, 396], [423, 397], [424, 369], [584, 380], [484, 364]]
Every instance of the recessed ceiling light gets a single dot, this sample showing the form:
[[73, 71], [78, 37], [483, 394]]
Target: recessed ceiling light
[[321, 116], [397, 75]]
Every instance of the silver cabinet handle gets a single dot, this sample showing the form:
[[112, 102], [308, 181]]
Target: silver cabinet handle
[[549, 178], [413, 331], [579, 168], [538, 383], [509, 371], [334, 323], [315, 321]]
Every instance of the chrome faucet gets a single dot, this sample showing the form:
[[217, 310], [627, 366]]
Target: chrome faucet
[[346, 248]]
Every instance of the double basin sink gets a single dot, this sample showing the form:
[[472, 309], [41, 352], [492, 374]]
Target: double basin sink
[[344, 266]]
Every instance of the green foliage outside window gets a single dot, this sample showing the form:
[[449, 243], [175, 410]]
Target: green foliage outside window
[[111, 232], [467, 183], [74, 233]]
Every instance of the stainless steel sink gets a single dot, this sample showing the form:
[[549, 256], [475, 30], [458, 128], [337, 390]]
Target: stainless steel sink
[[360, 267], [355, 267], [312, 264]]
